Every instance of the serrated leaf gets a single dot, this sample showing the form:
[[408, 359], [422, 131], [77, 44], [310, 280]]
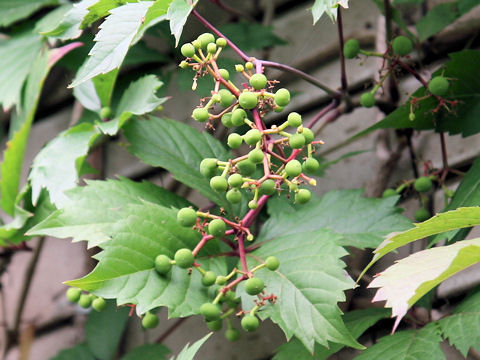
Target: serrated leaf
[[148, 352], [8, 231], [189, 352], [100, 9], [362, 222], [14, 10], [178, 12], [309, 283], [178, 148], [250, 36], [50, 21], [96, 93], [423, 344], [328, 7], [155, 14], [93, 210], [113, 40], [78, 352], [405, 282]]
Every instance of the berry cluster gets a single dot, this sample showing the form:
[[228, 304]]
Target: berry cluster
[[85, 300]]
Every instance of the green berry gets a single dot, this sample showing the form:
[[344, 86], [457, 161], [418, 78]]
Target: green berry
[[210, 311], [219, 183], [106, 112], [389, 192], [267, 187], [250, 323], [303, 196], [235, 180], [310, 165], [272, 263], [184, 258], [278, 109], [229, 296], [252, 137], [209, 278], [234, 140], [149, 320], [183, 64], [99, 304], [187, 50], [221, 42], [282, 97], [438, 86], [224, 74], [238, 117], [216, 98], [73, 294], [239, 68], [249, 65], [308, 134], [85, 301], [421, 215], [208, 167], [402, 45], [197, 44], [246, 167], [163, 264], [258, 81], [212, 48], [411, 116], [253, 204], [232, 334], [296, 141], [187, 217], [254, 286], [217, 227], [234, 196], [206, 39], [248, 100], [367, 100], [227, 120], [294, 119], [226, 98], [221, 280], [293, 168], [215, 325], [423, 184], [351, 48], [200, 114], [256, 156]]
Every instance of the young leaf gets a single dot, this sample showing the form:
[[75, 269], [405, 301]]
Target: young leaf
[[328, 7], [14, 10], [189, 352], [403, 283], [178, 12], [78, 352], [148, 352]]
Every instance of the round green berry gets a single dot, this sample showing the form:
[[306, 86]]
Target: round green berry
[[234, 140], [310, 165], [239, 68], [85, 301], [367, 100], [197, 44], [234, 196], [212, 48], [253, 204], [256, 156], [389, 192], [221, 42], [216, 98], [232, 334], [209, 278], [206, 39], [99, 304], [296, 141], [187, 217], [248, 100], [250, 323], [224, 74], [187, 50], [294, 119], [309, 135], [238, 117], [254, 286], [226, 98], [293, 168], [183, 64], [272, 263], [351, 48], [217, 227], [235, 180], [208, 167], [200, 114], [219, 183], [282, 97], [249, 65], [246, 167], [438, 86], [258, 81], [163, 264], [184, 258], [421, 215], [267, 187], [278, 109], [73, 294], [423, 184], [215, 325], [221, 280], [210, 311], [229, 296], [252, 137], [149, 320], [303, 196], [411, 116], [106, 112], [402, 45], [227, 120]]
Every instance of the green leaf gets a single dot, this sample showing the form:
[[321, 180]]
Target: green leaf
[[14, 10], [451, 220], [113, 40], [148, 352], [328, 7], [100, 9], [189, 352], [437, 18], [96, 93], [104, 330], [155, 14], [307, 289], [50, 21], [423, 344], [178, 12], [251, 36], [405, 282], [8, 231], [78, 352], [178, 148], [56, 166], [93, 210], [362, 222]]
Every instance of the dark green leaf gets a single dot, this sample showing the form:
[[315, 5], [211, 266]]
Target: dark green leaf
[[189, 352], [100, 9], [437, 18], [148, 352], [250, 36], [78, 352], [14, 10]]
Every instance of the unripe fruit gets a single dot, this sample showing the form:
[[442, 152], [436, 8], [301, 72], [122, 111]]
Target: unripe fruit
[[367, 100], [85, 301], [246, 167], [272, 263], [258, 81], [411, 116], [235, 180], [216, 98], [99, 304], [227, 120], [221, 280], [206, 39], [252, 136], [163, 264], [278, 109], [232, 334], [226, 98], [224, 74], [267, 187], [438, 86], [296, 141], [184, 258], [187, 217], [238, 117], [282, 97], [210, 311], [221, 42], [197, 44], [208, 167], [308, 134], [248, 100], [73, 294], [234, 196], [253, 204], [293, 168], [200, 114], [187, 50], [249, 65], [212, 48], [215, 325], [209, 278], [303, 196], [351, 48], [217, 227], [183, 64], [402, 45], [389, 192], [229, 296], [250, 323], [106, 113], [239, 68], [256, 156], [310, 165], [234, 140], [294, 119], [421, 215], [423, 184], [254, 286], [219, 183], [149, 320]]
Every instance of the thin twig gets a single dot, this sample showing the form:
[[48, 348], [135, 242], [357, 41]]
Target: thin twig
[[343, 76], [444, 150]]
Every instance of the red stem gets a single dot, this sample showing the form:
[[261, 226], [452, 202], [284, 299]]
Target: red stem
[[250, 216], [322, 113], [241, 253]]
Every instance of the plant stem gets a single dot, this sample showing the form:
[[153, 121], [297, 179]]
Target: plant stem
[[241, 253], [343, 71], [388, 19], [250, 216], [322, 113], [444, 150]]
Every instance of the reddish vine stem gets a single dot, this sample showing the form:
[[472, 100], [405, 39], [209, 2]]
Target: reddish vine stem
[[323, 112], [250, 216], [241, 253], [343, 76]]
